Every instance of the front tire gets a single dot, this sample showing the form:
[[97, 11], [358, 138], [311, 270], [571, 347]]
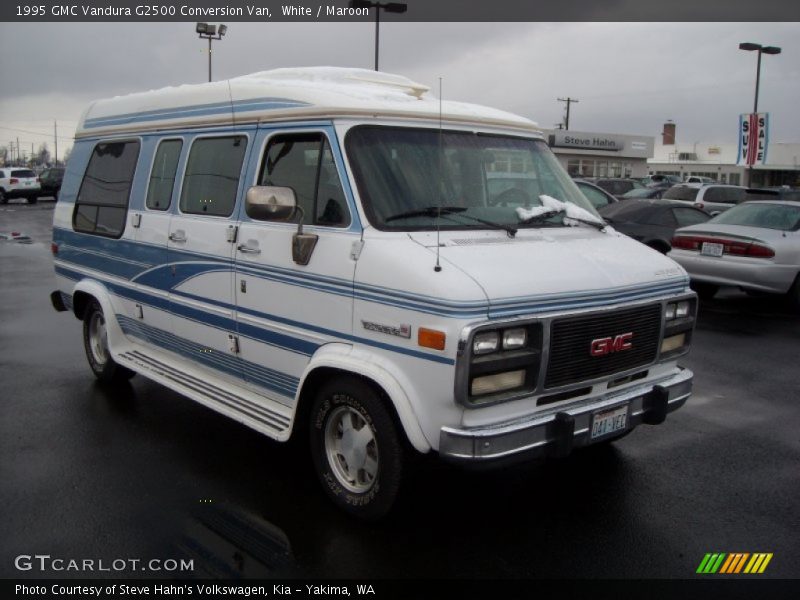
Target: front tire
[[706, 291], [95, 343], [794, 294], [356, 447], [3, 197]]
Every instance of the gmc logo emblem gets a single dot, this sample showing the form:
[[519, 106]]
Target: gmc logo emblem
[[607, 345]]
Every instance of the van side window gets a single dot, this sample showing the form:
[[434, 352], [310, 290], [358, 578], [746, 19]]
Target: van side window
[[304, 162], [162, 176], [102, 201], [212, 176]]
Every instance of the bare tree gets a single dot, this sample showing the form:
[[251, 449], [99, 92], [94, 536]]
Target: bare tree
[[43, 155]]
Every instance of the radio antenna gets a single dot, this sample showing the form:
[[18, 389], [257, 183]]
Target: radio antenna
[[440, 183]]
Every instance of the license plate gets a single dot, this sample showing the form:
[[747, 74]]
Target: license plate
[[609, 421], [711, 249]]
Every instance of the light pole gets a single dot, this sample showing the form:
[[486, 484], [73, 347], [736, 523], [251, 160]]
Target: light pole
[[391, 7], [210, 32], [750, 46]]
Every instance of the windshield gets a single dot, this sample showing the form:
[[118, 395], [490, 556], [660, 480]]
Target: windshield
[[410, 178], [762, 214]]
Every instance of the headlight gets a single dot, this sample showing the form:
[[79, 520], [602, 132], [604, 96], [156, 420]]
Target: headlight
[[502, 363], [514, 338], [486, 342], [677, 310], [678, 326]]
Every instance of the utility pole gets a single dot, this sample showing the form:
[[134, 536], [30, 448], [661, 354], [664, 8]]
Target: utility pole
[[18, 149], [55, 141], [569, 101]]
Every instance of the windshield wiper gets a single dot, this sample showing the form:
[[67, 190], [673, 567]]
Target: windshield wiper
[[437, 211], [428, 211], [541, 217]]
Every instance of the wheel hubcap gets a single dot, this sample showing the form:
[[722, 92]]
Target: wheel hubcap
[[97, 338], [352, 449]]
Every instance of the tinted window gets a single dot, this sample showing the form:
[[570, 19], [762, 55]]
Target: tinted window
[[680, 192], [596, 197], [404, 174], [689, 216], [304, 163], [662, 217], [762, 214], [162, 176], [105, 190], [212, 175], [23, 173], [726, 195]]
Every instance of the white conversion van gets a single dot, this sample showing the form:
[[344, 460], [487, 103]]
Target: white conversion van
[[334, 252]]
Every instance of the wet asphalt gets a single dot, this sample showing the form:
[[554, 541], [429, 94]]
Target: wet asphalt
[[141, 472]]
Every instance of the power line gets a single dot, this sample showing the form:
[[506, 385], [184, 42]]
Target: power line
[[43, 134]]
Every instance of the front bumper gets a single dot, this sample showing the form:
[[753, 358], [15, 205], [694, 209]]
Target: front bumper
[[557, 433]]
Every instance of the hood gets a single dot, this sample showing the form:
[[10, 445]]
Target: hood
[[544, 270]]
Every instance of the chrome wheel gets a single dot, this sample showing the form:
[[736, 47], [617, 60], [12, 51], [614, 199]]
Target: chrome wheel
[[98, 342], [352, 449]]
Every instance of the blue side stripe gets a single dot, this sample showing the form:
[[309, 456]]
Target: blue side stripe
[[251, 331], [196, 110], [274, 380]]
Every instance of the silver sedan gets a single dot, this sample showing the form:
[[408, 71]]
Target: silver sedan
[[754, 246]]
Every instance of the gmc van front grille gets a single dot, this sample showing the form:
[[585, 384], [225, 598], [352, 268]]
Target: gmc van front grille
[[592, 346]]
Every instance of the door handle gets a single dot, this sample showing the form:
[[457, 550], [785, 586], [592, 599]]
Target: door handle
[[177, 236], [248, 249]]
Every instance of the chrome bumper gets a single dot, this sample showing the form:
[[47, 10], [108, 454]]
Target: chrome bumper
[[557, 433]]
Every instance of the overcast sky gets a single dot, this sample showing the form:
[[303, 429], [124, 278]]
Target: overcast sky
[[629, 77]]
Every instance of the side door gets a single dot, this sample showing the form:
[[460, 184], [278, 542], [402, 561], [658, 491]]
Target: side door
[[200, 252], [287, 310], [152, 317]]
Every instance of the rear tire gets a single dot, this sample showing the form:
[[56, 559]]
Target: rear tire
[[3, 197], [33, 199], [356, 447], [95, 343]]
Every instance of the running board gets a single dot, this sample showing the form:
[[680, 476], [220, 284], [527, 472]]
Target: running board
[[235, 401]]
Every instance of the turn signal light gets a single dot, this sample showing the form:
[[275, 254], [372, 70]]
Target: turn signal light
[[430, 338]]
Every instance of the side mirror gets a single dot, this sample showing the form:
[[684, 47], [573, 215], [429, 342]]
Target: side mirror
[[270, 203]]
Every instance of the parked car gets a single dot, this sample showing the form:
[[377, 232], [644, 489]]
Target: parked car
[[646, 193], [18, 183], [618, 186], [596, 195], [713, 199], [699, 179], [50, 181], [773, 193], [663, 180], [755, 246], [652, 222]]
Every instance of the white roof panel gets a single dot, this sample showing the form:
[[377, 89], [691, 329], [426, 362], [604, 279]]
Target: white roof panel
[[282, 94]]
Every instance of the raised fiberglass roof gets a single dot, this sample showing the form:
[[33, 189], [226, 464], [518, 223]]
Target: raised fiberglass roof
[[284, 94]]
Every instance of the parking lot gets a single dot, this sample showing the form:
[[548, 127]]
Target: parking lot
[[90, 472]]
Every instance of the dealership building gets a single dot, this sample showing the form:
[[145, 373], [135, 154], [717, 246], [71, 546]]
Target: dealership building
[[781, 164], [585, 154]]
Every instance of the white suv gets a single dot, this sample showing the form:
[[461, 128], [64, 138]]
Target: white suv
[[16, 182], [712, 198]]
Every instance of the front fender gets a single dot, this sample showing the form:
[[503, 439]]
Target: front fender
[[344, 357]]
